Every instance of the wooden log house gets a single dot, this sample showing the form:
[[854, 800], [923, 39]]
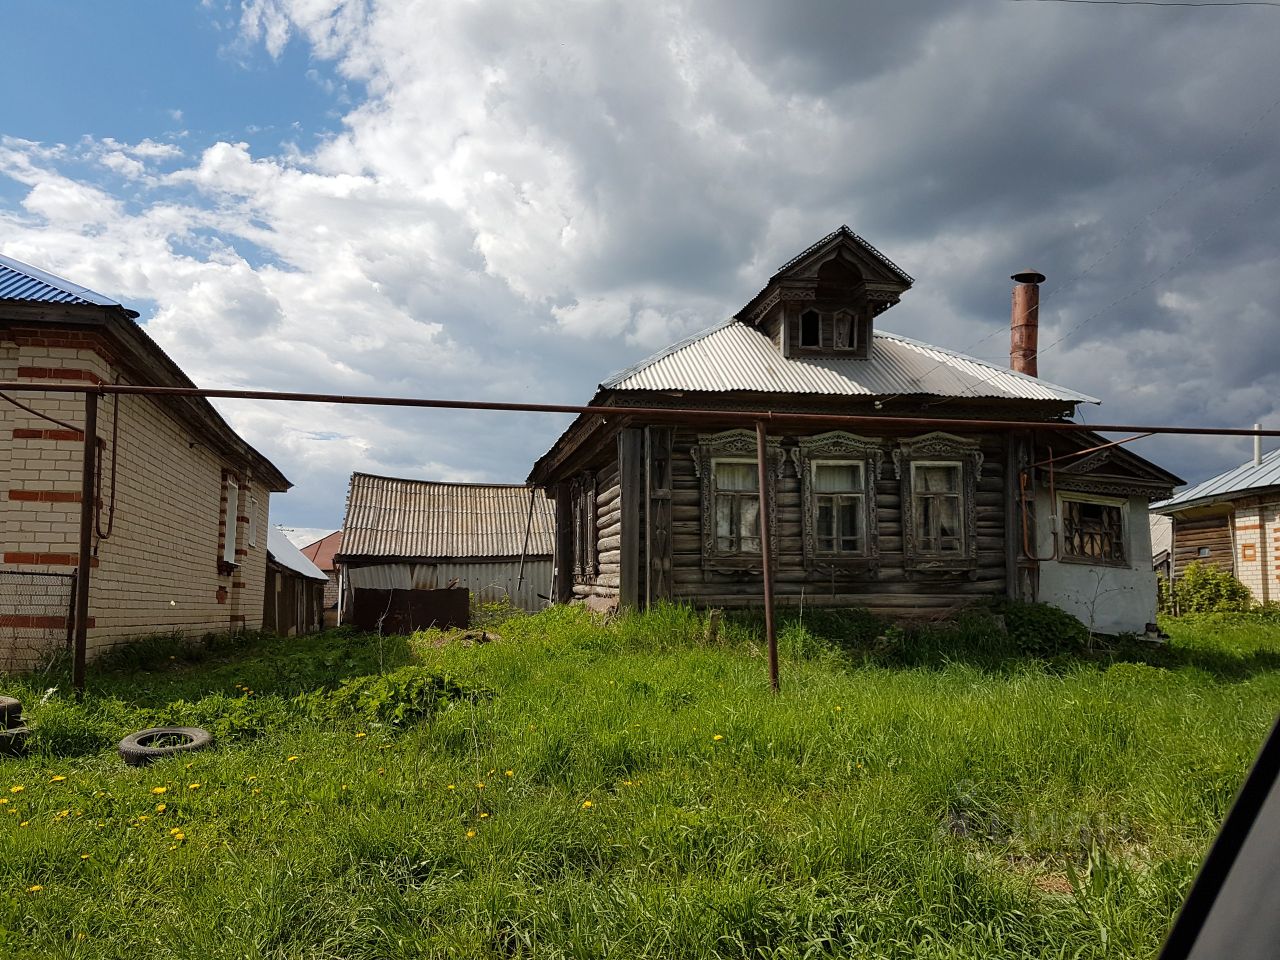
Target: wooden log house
[[906, 522]]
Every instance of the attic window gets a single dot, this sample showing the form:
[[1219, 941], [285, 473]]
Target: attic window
[[810, 329], [846, 332]]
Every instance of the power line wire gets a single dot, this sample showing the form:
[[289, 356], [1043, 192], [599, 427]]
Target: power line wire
[[1162, 3]]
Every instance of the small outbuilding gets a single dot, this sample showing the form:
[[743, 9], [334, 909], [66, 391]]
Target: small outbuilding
[[293, 601], [493, 539]]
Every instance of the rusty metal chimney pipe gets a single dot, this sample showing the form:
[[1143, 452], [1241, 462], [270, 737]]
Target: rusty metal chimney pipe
[[1025, 325]]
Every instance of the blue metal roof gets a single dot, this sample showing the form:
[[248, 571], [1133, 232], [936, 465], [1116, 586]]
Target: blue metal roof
[[23, 282], [1237, 482]]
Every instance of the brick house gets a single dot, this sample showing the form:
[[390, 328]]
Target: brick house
[[1231, 521], [182, 505]]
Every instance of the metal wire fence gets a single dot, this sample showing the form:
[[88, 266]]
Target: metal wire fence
[[35, 613]]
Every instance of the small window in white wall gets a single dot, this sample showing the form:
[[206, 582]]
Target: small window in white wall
[[1093, 530], [229, 522]]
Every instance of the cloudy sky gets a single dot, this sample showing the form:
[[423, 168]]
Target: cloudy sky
[[511, 200]]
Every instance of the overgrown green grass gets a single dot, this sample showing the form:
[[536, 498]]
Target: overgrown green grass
[[579, 789]]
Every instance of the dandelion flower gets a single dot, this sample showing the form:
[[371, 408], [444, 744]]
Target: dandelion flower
[[480, 785], [161, 808], [159, 790], [484, 816], [449, 787], [4, 800], [173, 846], [587, 804], [35, 889], [627, 783], [179, 836], [57, 779], [18, 788], [361, 734], [470, 834], [257, 789], [839, 708], [717, 738], [63, 813], [510, 773], [174, 830], [193, 786], [144, 818], [291, 759], [24, 823], [84, 856]]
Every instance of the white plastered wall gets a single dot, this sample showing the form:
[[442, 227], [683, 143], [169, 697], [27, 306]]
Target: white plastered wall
[[1105, 598]]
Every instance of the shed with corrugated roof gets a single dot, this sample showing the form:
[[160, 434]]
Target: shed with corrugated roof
[[402, 534]]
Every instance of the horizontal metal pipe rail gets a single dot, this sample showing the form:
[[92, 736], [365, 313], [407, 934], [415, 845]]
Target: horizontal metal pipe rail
[[700, 414]]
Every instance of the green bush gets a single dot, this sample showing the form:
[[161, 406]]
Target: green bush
[[397, 698], [1041, 630], [1205, 588]]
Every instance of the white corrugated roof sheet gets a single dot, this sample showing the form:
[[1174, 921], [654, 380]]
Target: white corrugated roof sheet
[[734, 356], [1242, 479], [391, 517], [287, 555]]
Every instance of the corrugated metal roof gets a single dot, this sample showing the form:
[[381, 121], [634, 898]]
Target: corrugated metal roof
[[21, 281], [1240, 480], [287, 555], [733, 356], [389, 517]]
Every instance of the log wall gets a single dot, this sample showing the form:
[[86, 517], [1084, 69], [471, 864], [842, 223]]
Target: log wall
[[892, 591], [607, 579], [1212, 535]]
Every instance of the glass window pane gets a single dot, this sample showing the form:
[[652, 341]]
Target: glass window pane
[[948, 516], [736, 476], [936, 478], [724, 523], [837, 477], [749, 524]]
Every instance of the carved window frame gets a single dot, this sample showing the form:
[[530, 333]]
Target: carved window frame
[[582, 494], [839, 447], [733, 446], [940, 448], [1120, 505]]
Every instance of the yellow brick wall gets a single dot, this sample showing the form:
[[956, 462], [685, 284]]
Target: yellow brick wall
[[158, 570], [1256, 531]]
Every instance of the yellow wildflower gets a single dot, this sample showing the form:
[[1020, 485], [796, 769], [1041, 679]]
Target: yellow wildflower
[[159, 790], [449, 787], [4, 800], [161, 808], [470, 834], [84, 856], [382, 769], [57, 779], [24, 823], [510, 773], [35, 889], [17, 789], [175, 830], [839, 708], [291, 759], [480, 785], [257, 789], [627, 783], [361, 734], [717, 738], [193, 786], [179, 836], [586, 804], [483, 816]]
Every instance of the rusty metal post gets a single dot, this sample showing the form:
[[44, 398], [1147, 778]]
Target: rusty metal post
[[88, 493], [771, 632]]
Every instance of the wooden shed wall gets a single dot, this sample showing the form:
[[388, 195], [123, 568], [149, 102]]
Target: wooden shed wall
[[893, 591], [1212, 534]]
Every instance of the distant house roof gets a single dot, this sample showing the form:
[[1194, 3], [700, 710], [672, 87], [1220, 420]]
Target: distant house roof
[[322, 551], [1246, 479], [397, 519], [34, 298], [22, 282], [287, 555], [1161, 534], [734, 356]]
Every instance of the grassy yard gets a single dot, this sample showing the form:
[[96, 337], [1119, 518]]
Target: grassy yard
[[581, 789]]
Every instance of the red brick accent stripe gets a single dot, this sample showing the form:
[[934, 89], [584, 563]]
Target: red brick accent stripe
[[46, 496], [28, 620], [47, 559], [58, 373], [26, 433], [242, 518]]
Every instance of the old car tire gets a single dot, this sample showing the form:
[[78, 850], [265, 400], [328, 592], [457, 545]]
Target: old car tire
[[10, 711], [139, 749], [13, 742]]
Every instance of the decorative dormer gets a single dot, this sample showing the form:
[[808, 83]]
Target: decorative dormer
[[822, 302]]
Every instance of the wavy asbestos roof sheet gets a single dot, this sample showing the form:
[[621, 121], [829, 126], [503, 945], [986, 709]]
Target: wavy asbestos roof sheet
[[734, 357], [389, 517], [23, 282], [1236, 482]]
